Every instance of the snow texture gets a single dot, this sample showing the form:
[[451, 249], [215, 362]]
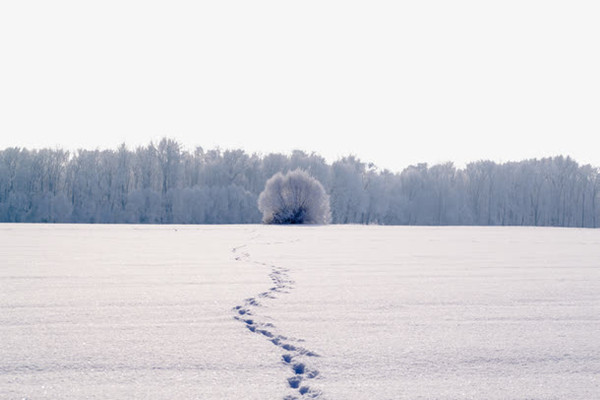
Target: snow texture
[[281, 312]]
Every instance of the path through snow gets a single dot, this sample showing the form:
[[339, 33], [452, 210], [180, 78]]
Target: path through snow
[[294, 355]]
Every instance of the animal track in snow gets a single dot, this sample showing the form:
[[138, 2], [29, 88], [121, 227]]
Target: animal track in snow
[[293, 354]]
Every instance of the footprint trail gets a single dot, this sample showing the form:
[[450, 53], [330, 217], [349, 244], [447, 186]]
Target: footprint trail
[[295, 356]]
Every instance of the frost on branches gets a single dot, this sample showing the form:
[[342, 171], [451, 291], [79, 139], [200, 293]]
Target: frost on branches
[[294, 198]]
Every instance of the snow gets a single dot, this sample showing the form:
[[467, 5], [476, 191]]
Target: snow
[[269, 312]]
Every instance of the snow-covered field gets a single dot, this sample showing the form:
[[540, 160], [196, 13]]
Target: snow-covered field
[[266, 312]]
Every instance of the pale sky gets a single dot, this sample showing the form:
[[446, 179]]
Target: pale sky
[[393, 82]]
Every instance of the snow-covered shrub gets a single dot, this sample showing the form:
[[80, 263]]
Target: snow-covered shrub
[[294, 198]]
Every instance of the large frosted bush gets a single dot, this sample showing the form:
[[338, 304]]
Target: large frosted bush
[[294, 198]]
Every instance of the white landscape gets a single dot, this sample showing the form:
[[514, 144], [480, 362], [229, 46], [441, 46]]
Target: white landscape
[[275, 312]]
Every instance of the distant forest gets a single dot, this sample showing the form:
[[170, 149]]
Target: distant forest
[[165, 184]]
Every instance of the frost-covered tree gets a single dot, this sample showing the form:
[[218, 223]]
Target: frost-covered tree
[[294, 198], [349, 195], [164, 183]]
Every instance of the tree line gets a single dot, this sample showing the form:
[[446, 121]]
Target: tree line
[[163, 183]]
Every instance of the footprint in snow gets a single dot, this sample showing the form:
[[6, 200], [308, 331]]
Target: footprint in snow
[[282, 284]]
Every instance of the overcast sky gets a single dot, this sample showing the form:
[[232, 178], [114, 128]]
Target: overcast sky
[[393, 82]]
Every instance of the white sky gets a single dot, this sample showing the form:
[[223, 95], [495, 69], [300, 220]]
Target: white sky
[[393, 82]]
